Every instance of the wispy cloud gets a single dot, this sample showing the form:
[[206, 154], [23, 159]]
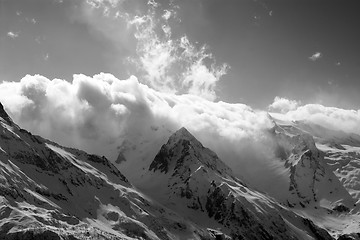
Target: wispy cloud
[[13, 35], [177, 64], [162, 60], [316, 56]]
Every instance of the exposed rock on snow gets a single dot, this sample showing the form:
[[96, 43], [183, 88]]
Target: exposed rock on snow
[[192, 180], [52, 192]]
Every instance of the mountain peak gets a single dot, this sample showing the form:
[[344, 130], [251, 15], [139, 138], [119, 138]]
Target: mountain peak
[[4, 115], [181, 138], [183, 153], [183, 133]]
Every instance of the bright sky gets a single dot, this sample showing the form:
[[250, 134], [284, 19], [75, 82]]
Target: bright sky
[[302, 50]]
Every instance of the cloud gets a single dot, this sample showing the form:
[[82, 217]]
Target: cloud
[[333, 118], [283, 105], [13, 35], [105, 115], [108, 116], [143, 35], [316, 56]]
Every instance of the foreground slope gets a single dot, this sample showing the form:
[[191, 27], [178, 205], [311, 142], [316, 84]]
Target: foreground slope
[[51, 192], [191, 180]]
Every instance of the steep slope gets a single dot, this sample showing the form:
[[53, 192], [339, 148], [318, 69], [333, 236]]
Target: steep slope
[[341, 153], [52, 192], [322, 167], [311, 181], [193, 181]]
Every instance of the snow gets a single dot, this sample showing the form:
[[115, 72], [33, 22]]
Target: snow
[[184, 191], [47, 187]]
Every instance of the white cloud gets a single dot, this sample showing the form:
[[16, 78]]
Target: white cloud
[[13, 35], [105, 115], [102, 114], [283, 105], [316, 56], [162, 61], [346, 120], [174, 65]]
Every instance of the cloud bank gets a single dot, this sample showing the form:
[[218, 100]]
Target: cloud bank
[[108, 116], [347, 120], [105, 115]]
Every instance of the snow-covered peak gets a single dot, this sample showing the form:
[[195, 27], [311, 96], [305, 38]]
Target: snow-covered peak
[[181, 135], [183, 150]]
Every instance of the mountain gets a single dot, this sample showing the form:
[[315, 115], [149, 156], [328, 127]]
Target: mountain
[[51, 192], [322, 172], [190, 179], [185, 191], [311, 180]]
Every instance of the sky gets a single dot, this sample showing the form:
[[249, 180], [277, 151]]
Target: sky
[[119, 76], [301, 50]]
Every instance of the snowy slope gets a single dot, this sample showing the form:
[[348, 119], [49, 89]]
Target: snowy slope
[[48, 191], [311, 181], [323, 173], [51, 192], [190, 179]]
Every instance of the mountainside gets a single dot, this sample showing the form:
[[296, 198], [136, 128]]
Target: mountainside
[[186, 192], [51, 192], [322, 167], [311, 181], [190, 179]]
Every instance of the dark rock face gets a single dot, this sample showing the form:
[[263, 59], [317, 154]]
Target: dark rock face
[[341, 208], [4, 115], [30, 235], [353, 236], [161, 161]]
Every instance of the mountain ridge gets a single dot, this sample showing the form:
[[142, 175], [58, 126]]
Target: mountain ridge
[[52, 192], [191, 179]]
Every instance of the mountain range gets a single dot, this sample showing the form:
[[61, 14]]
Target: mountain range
[[185, 191]]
